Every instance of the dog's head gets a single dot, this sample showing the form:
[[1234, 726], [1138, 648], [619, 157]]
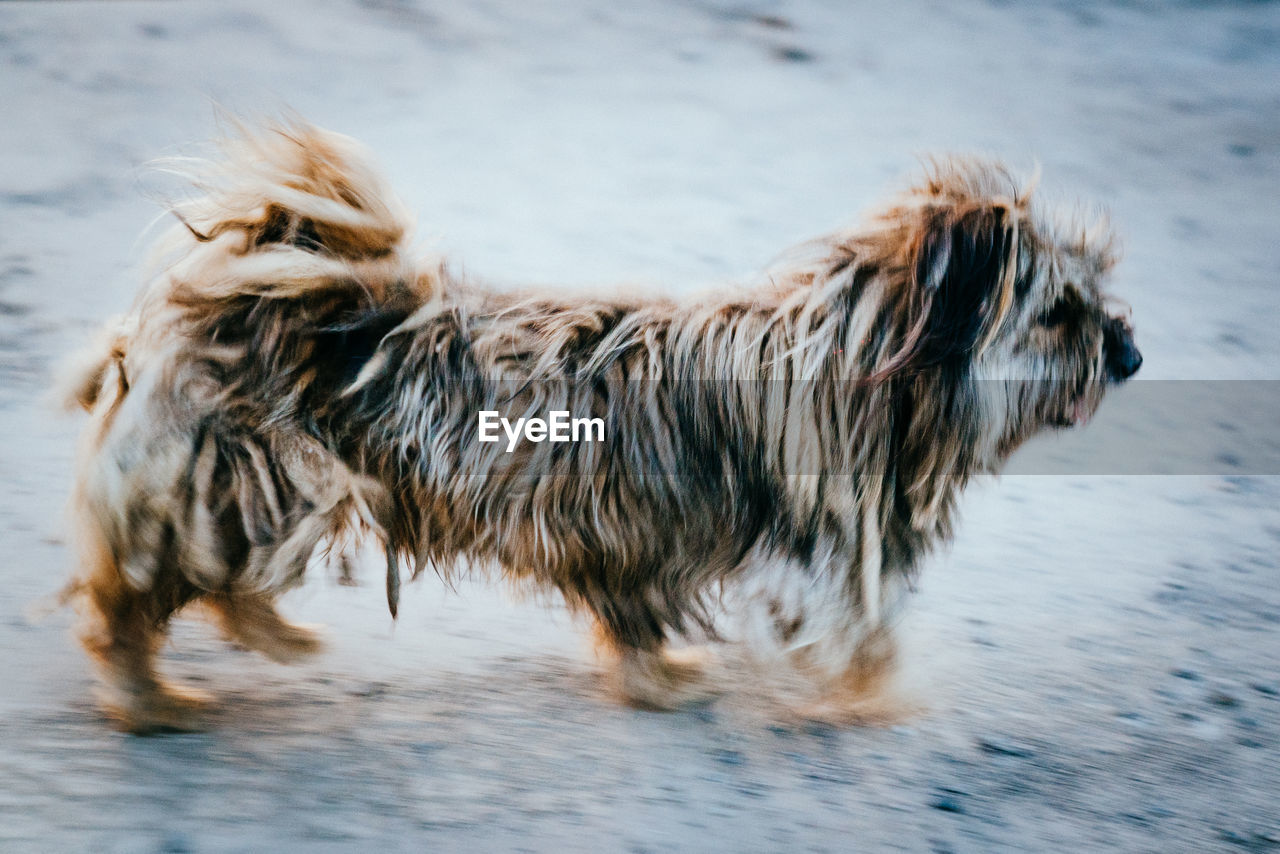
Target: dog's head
[[1011, 304]]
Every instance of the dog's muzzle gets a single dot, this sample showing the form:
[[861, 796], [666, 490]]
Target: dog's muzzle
[[1119, 352]]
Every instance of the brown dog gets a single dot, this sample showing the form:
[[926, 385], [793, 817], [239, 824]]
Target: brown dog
[[291, 373]]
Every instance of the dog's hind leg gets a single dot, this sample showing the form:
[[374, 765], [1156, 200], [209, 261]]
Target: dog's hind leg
[[252, 621], [122, 630]]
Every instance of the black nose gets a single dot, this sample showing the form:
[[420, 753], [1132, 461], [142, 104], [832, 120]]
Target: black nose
[[1121, 354]]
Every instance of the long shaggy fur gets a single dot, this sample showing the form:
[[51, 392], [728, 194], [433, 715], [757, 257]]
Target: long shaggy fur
[[291, 373]]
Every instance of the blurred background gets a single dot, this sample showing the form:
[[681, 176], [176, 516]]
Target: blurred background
[[1096, 656]]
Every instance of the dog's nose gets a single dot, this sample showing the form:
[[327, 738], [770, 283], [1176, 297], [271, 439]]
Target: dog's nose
[[1122, 356]]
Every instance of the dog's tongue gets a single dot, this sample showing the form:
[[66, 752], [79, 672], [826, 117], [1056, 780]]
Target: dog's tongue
[[1080, 413]]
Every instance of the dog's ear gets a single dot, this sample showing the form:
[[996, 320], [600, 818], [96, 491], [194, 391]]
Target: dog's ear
[[961, 271], [960, 263]]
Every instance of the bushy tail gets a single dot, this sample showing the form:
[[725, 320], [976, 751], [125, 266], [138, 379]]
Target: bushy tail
[[286, 212]]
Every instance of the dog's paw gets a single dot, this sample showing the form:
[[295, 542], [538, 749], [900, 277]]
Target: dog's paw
[[156, 710], [667, 680], [868, 693]]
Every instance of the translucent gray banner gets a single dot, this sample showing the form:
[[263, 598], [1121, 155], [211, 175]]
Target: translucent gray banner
[[1201, 427], [1156, 427]]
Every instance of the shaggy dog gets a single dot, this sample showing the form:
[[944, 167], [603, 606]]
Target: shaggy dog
[[291, 373]]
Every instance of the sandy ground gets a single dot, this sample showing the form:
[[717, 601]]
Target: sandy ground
[[1098, 655]]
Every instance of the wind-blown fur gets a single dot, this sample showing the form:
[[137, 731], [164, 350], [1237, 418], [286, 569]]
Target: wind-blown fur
[[291, 372]]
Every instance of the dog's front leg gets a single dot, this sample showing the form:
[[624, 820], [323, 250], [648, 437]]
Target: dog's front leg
[[649, 675]]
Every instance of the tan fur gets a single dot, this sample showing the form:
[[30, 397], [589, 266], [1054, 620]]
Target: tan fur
[[291, 373]]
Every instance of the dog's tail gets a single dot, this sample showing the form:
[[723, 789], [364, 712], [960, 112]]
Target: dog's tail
[[287, 214], [286, 210]]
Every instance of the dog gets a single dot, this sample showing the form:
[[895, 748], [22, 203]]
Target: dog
[[291, 374]]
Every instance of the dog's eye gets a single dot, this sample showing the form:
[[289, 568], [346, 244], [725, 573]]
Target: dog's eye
[[1055, 316]]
